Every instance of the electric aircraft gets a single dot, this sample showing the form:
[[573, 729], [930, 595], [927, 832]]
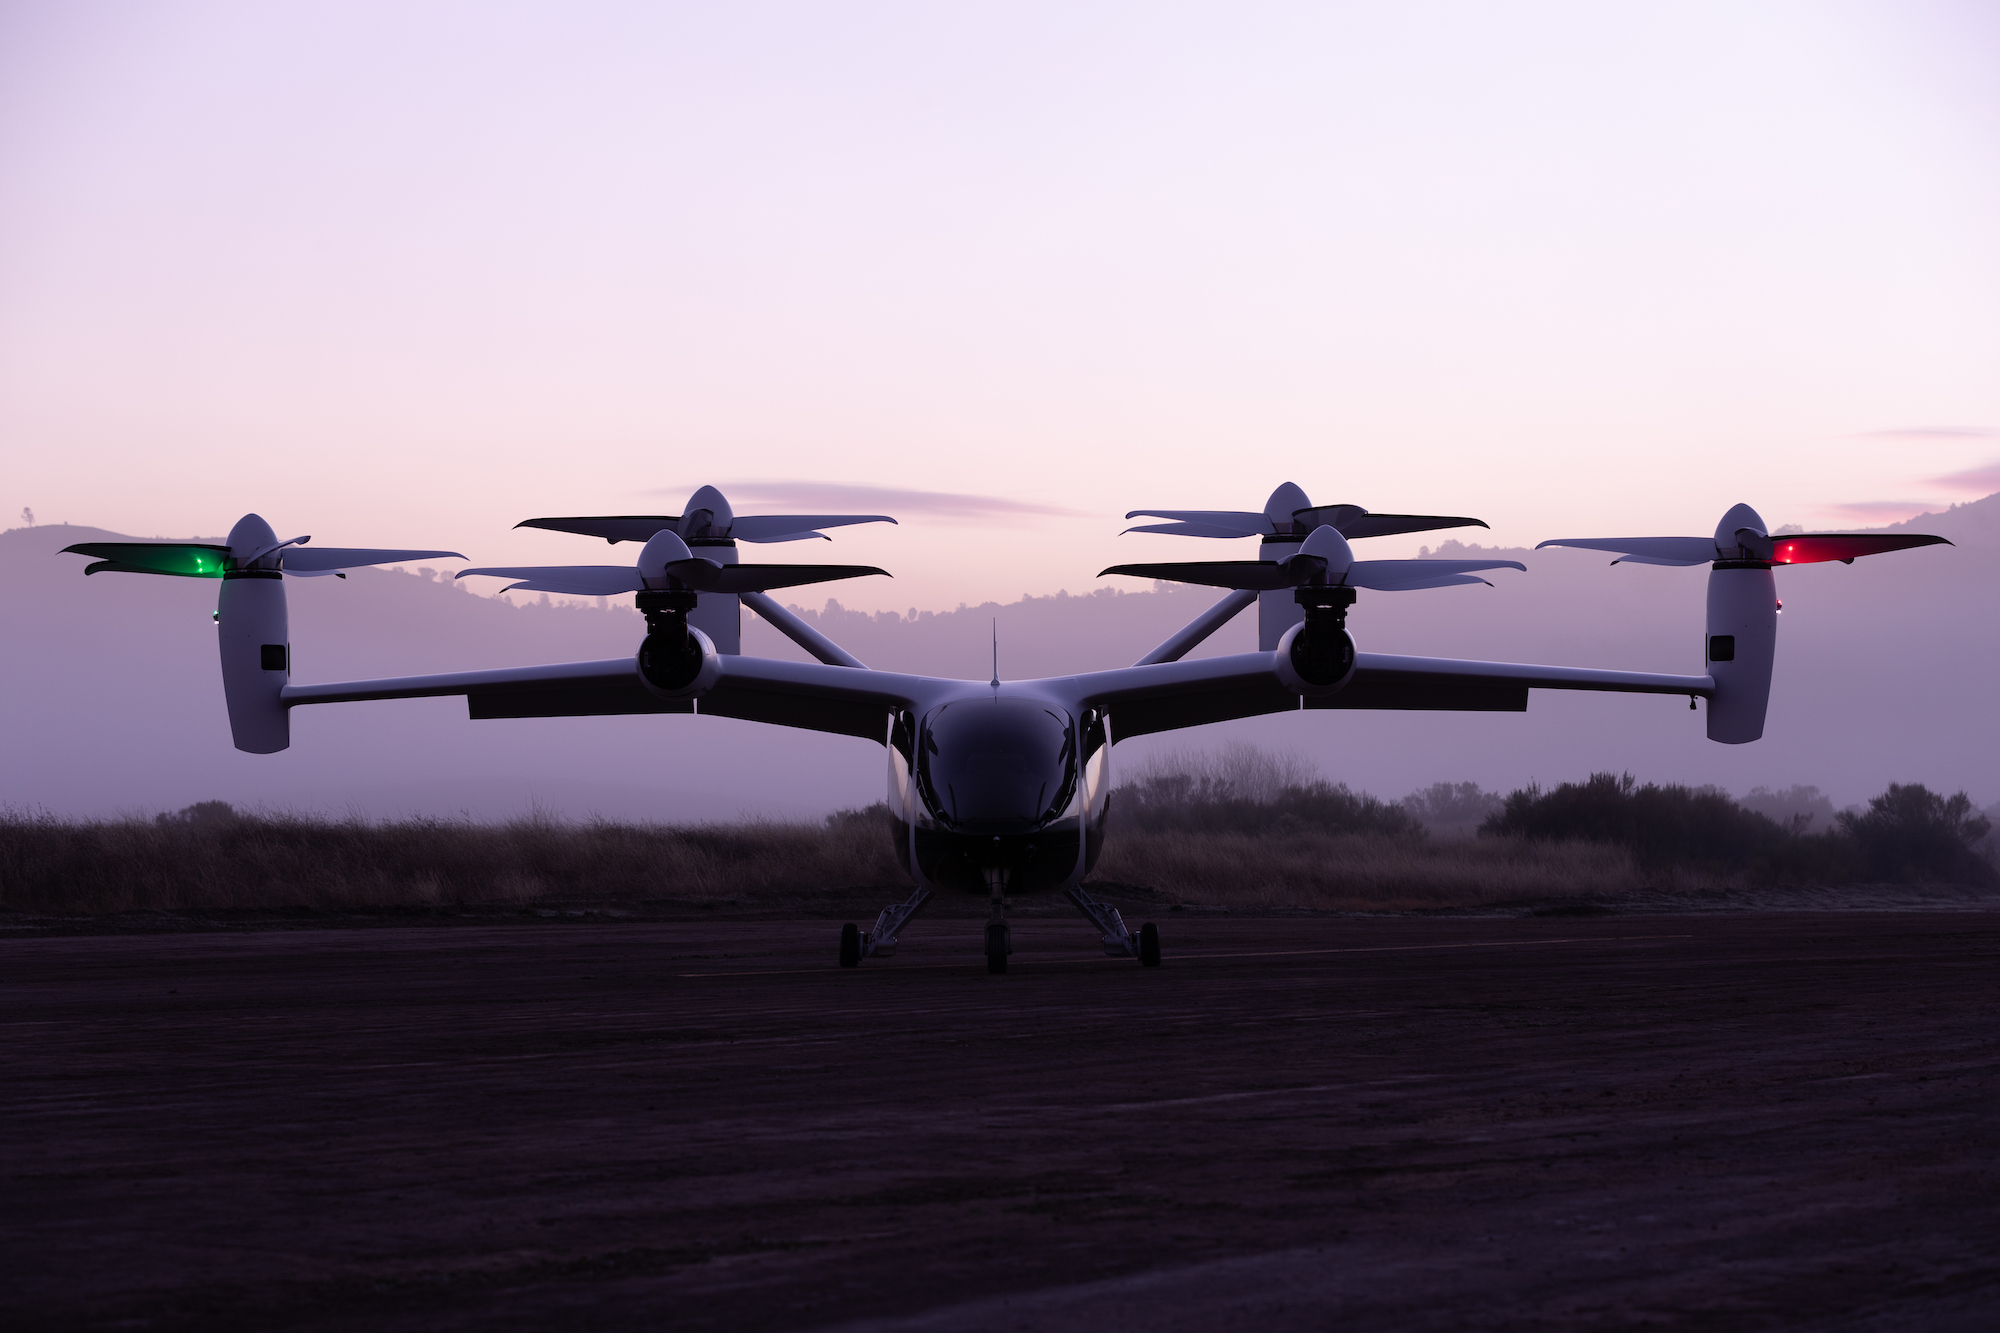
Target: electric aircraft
[[995, 787]]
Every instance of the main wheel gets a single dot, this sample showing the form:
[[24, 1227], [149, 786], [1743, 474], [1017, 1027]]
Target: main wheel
[[850, 945], [1149, 945], [996, 946]]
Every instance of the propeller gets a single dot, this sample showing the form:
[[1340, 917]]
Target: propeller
[[1290, 513], [707, 515], [666, 562], [1742, 536], [205, 560], [1325, 560]]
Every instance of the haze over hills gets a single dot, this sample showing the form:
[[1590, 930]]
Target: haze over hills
[[114, 703]]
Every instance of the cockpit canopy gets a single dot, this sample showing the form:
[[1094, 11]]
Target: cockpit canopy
[[996, 765]]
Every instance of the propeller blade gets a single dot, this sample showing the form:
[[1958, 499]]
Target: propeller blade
[[791, 527], [1659, 560], [1414, 583], [614, 528], [1660, 550], [784, 537], [1388, 525], [1238, 522], [707, 576], [1408, 575], [1188, 530], [1242, 575], [326, 559], [1811, 548], [578, 580], [188, 560], [1336, 517]]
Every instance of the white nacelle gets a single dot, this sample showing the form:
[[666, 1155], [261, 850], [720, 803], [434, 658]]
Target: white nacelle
[[1742, 641], [253, 635], [719, 615]]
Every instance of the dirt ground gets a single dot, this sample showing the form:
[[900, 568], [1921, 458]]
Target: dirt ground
[[1713, 1121]]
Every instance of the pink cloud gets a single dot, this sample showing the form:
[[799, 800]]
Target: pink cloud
[[1879, 511], [1933, 433], [833, 495], [1979, 480]]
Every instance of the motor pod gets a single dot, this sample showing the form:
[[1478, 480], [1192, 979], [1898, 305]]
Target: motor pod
[[1317, 656], [253, 635], [1315, 663], [676, 661], [1742, 639]]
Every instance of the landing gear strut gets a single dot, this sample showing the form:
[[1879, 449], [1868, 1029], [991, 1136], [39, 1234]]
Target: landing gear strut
[[881, 941], [999, 937], [1118, 941]]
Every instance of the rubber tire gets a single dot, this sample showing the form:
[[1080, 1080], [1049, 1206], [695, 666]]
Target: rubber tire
[[850, 945], [996, 948], [1149, 945]]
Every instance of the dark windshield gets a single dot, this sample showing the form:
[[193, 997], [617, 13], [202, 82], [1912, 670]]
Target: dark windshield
[[994, 762]]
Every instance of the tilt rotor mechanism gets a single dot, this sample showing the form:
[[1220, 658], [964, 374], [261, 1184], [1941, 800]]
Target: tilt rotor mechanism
[[1324, 576], [253, 627], [1740, 642], [668, 578]]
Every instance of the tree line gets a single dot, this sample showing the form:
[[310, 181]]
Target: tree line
[[1907, 834]]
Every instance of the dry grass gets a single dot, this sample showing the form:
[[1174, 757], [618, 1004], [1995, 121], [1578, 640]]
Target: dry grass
[[55, 866], [1363, 871]]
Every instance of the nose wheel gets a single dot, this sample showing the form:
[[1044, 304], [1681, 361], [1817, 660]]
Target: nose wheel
[[998, 946]]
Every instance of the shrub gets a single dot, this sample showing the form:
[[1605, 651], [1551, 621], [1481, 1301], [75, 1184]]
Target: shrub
[[1908, 833], [1245, 790], [1912, 833], [1458, 807], [1663, 825]]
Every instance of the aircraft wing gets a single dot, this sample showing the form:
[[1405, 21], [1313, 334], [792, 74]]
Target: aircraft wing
[[1171, 695], [854, 701], [845, 700], [564, 689]]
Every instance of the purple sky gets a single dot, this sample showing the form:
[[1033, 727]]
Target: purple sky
[[397, 274]]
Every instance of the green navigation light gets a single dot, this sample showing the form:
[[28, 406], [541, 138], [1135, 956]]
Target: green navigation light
[[188, 560]]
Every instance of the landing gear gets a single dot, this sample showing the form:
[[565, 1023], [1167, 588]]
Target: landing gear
[[997, 946], [999, 937], [1117, 940], [881, 941]]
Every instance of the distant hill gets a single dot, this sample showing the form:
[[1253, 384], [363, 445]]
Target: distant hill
[[113, 702]]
